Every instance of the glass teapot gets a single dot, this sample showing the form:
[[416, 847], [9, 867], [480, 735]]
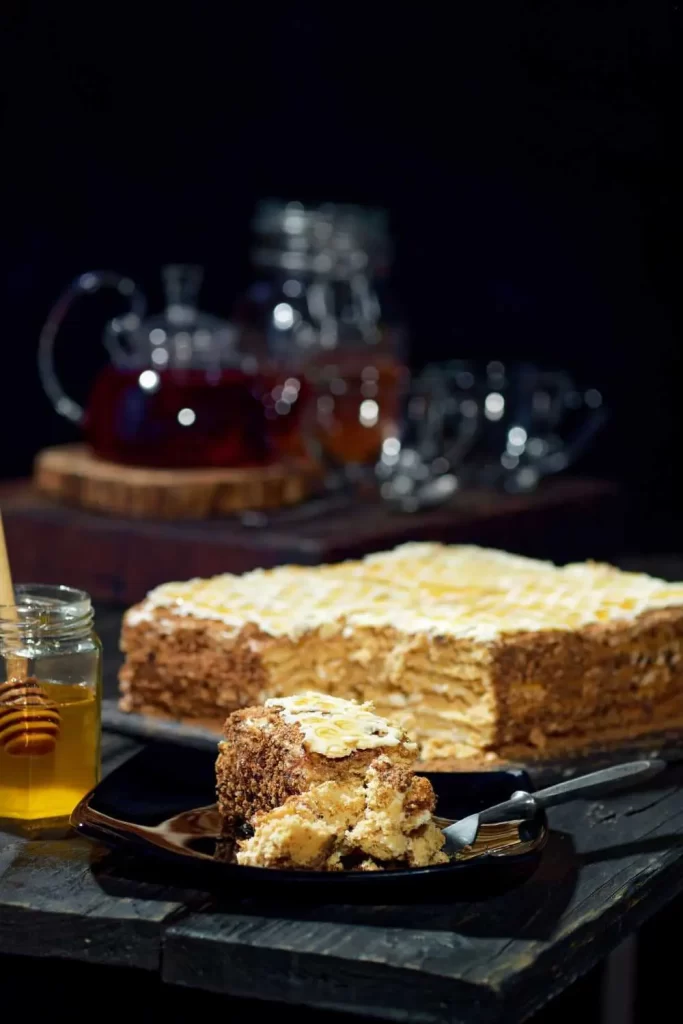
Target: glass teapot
[[177, 392]]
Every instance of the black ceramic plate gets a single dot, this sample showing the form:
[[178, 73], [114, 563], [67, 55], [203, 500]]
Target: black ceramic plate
[[159, 803]]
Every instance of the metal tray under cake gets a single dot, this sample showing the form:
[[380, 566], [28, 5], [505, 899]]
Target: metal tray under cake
[[667, 745]]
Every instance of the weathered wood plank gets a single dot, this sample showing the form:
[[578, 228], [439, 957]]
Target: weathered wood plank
[[9, 847], [608, 867], [119, 559], [68, 898], [219, 955], [55, 903]]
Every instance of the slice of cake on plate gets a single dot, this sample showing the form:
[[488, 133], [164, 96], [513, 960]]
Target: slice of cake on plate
[[324, 784]]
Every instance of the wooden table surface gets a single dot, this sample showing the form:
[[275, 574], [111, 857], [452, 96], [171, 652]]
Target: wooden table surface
[[609, 865], [117, 559]]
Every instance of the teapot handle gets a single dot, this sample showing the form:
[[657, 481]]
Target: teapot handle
[[85, 284]]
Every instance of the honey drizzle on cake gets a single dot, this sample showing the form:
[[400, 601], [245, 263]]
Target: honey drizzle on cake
[[29, 722], [335, 727], [460, 591]]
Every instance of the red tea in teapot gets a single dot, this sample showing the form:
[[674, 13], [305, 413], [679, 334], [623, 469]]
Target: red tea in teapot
[[178, 391], [181, 418]]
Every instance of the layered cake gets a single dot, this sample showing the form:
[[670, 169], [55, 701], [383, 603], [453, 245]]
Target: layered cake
[[323, 784], [475, 653]]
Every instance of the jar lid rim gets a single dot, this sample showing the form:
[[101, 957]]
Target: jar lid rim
[[51, 591], [45, 602]]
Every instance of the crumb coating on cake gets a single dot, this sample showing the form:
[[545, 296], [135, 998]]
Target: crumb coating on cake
[[310, 810]]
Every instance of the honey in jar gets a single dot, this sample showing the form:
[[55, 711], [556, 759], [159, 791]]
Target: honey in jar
[[50, 701]]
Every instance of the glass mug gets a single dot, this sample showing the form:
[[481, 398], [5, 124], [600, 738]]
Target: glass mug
[[533, 423], [496, 427], [356, 398]]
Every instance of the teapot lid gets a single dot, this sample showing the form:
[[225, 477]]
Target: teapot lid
[[335, 240], [180, 337]]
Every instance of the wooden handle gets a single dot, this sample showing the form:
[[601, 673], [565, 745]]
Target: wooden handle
[[16, 666], [6, 588]]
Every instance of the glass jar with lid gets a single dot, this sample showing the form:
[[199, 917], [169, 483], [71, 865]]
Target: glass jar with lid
[[50, 707]]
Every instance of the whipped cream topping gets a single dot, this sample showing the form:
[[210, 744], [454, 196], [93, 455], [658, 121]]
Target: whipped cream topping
[[334, 727], [461, 591]]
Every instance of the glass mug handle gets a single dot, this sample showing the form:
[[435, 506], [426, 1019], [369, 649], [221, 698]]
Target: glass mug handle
[[462, 439], [85, 284], [556, 453], [561, 394], [448, 419], [593, 420], [549, 391]]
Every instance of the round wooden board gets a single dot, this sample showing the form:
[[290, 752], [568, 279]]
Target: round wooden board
[[73, 475]]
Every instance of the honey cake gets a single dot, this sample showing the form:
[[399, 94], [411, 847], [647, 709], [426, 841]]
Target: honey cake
[[324, 784], [475, 652]]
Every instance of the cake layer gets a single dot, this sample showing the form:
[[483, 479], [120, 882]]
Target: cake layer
[[473, 651]]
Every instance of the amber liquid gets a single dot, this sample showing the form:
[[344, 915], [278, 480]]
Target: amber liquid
[[358, 405], [44, 788]]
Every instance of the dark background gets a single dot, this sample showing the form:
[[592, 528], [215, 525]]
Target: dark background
[[529, 156]]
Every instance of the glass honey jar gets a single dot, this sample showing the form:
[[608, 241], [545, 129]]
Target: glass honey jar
[[50, 707]]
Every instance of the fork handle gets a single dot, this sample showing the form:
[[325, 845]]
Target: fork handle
[[608, 780]]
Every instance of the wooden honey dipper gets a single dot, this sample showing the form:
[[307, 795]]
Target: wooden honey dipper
[[29, 722]]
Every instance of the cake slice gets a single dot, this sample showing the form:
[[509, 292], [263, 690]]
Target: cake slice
[[323, 784]]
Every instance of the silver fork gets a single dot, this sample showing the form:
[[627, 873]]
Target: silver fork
[[523, 806]]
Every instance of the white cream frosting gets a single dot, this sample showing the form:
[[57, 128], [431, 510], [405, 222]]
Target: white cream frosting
[[335, 727], [461, 591]]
